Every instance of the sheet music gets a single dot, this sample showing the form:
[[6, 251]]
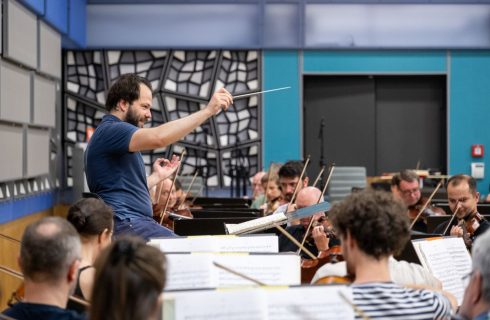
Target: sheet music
[[192, 271], [309, 302], [447, 261], [279, 269], [245, 304], [256, 243], [189, 271], [279, 303], [258, 223]]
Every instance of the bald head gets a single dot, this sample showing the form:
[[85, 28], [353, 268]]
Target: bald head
[[307, 197]]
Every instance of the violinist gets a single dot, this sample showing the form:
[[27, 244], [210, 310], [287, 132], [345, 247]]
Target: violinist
[[49, 259], [306, 197], [372, 226], [166, 198], [163, 193], [273, 194], [405, 187], [463, 199]]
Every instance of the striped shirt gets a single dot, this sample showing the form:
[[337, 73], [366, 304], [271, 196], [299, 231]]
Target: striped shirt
[[386, 300]]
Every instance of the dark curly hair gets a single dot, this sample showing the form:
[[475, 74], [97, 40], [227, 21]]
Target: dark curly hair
[[376, 221], [127, 88], [291, 169]]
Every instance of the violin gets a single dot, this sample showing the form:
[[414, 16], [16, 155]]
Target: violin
[[428, 211], [332, 255], [469, 225]]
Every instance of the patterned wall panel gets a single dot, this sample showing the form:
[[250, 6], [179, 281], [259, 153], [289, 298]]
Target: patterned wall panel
[[183, 82], [85, 75]]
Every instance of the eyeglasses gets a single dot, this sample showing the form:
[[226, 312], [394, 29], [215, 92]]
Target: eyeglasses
[[466, 278], [410, 191]]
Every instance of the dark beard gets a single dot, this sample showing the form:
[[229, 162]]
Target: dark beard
[[131, 117]]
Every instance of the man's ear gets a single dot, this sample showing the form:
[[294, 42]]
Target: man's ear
[[122, 105], [305, 182], [73, 271]]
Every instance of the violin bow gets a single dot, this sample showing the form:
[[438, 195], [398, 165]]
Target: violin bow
[[20, 276], [239, 274], [162, 213], [296, 189], [318, 177], [426, 204], [451, 221], [188, 190], [296, 242], [332, 167]]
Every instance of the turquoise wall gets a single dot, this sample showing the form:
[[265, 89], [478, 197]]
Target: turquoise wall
[[468, 75], [281, 112]]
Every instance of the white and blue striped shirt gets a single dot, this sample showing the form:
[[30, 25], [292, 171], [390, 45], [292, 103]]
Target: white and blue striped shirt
[[386, 300]]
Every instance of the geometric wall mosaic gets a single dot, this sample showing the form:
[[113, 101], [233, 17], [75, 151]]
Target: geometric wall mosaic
[[183, 82]]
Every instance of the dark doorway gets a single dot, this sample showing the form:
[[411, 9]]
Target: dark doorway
[[383, 123]]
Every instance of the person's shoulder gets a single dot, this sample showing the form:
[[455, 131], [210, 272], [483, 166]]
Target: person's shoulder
[[21, 311]]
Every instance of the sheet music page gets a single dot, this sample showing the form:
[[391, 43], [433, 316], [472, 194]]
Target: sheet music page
[[186, 244], [460, 255], [254, 243], [243, 304], [190, 271], [435, 257], [255, 223], [309, 302], [271, 269]]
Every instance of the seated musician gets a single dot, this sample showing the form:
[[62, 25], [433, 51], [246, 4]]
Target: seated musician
[[129, 281], [49, 259], [405, 187], [257, 186], [306, 197], [476, 300], [289, 175], [273, 194], [163, 194], [372, 226], [463, 199], [93, 220]]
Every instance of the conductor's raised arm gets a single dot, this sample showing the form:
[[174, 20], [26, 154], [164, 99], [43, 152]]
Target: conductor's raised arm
[[170, 132]]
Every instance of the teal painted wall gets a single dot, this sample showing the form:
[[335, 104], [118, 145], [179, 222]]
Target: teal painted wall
[[281, 122], [468, 96], [469, 120]]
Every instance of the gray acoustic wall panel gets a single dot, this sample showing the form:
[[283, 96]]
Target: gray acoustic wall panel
[[37, 152], [44, 102], [20, 43], [11, 144], [49, 50], [15, 93]]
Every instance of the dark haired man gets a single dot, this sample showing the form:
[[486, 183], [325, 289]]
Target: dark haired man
[[463, 199], [372, 226], [113, 162], [405, 187], [289, 175], [49, 259]]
